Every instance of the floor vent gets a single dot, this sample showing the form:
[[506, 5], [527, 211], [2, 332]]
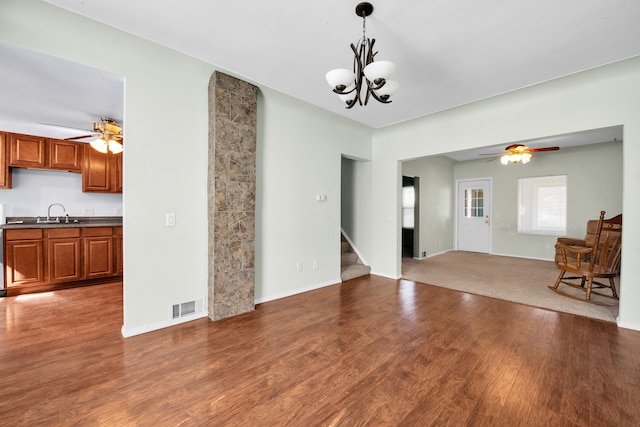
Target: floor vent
[[186, 309]]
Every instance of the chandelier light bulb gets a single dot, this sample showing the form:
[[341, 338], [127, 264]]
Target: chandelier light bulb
[[377, 72], [340, 78], [389, 87]]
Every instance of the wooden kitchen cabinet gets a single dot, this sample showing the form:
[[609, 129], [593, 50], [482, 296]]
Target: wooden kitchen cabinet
[[43, 259], [101, 172], [27, 151], [24, 255], [5, 172], [65, 155], [119, 250], [63, 254], [99, 257]]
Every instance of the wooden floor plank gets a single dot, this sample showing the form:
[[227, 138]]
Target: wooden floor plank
[[370, 351]]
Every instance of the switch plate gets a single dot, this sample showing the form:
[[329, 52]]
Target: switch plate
[[171, 219], [87, 212]]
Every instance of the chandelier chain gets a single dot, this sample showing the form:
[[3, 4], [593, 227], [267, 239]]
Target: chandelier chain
[[364, 29]]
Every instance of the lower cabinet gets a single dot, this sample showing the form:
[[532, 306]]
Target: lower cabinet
[[54, 256], [99, 256], [24, 256], [63, 255]]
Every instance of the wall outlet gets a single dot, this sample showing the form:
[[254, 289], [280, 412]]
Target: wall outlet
[[87, 212], [170, 219], [316, 264], [299, 266]]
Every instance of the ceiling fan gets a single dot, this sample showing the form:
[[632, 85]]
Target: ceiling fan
[[518, 153], [109, 136]]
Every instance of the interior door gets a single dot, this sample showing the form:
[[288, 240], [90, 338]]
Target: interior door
[[474, 215]]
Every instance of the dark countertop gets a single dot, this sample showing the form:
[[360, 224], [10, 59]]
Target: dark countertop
[[74, 221]]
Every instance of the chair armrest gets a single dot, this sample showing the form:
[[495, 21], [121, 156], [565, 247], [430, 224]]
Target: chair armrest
[[571, 242], [574, 249]]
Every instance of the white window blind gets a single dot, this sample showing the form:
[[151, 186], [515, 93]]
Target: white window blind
[[542, 205], [408, 206]]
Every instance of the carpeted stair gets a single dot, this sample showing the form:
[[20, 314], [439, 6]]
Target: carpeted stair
[[350, 265]]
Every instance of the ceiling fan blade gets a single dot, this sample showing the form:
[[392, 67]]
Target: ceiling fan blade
[[535, 150], [93, 135], [491, 154]]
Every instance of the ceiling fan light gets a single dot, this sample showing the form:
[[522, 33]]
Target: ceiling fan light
[[379, 70], [99, 145], [525, 158], [115, 147], [340, 79], [504, 159]]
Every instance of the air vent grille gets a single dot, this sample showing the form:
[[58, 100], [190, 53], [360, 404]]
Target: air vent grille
[[186, 309]]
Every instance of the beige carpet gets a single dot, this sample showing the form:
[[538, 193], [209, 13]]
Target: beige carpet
[[512, 279]]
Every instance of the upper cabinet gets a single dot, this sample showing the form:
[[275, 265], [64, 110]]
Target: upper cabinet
[[5, 175], [36, 152], [27, 151], [65, 155], [101, 172]]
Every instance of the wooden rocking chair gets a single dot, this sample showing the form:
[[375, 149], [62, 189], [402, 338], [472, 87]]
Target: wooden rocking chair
[[599, 259]]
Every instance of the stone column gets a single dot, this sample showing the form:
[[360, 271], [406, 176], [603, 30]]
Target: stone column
[[231, 195]]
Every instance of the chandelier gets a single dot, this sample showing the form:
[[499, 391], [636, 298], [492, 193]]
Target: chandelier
[[374, 76]]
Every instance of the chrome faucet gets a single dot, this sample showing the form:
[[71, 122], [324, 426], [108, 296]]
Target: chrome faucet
[[57, 218]]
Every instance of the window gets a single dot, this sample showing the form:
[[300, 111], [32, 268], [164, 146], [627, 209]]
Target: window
[[408, 206], [542, 205], [474, 203]]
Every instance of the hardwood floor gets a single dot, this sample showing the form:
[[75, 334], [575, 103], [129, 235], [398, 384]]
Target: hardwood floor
[[371, 351]]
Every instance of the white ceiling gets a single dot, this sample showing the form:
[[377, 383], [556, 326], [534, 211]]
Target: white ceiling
[[447, 52]]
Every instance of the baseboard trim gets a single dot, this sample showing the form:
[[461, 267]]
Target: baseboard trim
[[126, 333], [627, 325], [375, 273], [523, 257], [298, 291]]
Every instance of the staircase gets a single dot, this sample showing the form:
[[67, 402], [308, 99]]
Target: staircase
[[351, 266]]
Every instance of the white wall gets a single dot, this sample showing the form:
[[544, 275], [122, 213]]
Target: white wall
[[594, 183], [603, 97], [34, 190], [165, 167], [437, 198], [299, 151]]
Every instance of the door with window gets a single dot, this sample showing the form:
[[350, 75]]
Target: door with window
[[474, 215]]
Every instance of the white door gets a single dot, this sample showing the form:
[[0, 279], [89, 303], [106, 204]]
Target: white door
[[474, 215]]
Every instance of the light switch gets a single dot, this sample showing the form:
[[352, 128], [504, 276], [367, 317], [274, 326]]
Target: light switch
[[171, 219]]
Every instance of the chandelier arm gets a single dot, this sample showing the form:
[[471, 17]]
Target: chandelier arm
[[377, 98], [359, 56]]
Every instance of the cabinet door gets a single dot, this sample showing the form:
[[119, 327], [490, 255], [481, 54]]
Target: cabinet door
[[117, 172], [96, 172], [27, 151], [119, 250], [98, 256], [101, 172], [63, 255], [25, 262], [5, 172], [65, 155]]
